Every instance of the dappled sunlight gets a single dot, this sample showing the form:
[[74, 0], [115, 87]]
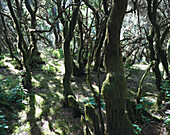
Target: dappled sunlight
[[46, 115], [140, 66], [1, 77], [38, 77], [74, 67], [144, 66], [61, 67], [35, 82], [59, 78], [24, 129], [60, 95], [39, 102], [45, 127], [11, 66]]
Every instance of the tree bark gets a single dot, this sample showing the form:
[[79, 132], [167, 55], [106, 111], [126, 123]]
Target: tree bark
[[35, 54], [8, 41], [114, 87], [23, 48], [67, 56]]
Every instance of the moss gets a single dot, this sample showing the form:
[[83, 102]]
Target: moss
[[68, 57], [92, 116], [87, 130], [114, 94], [74, 105], [112, 84]]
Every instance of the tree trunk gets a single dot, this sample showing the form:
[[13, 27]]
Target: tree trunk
[[67, 56], [8, 41], [35, 56], [22, 46], [114, 87]]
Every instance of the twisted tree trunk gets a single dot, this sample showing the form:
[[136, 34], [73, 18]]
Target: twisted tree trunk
[[114, 87], [67, 56]]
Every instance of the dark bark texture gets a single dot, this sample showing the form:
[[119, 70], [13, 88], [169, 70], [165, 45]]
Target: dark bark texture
[[114, 87], [67, 56]]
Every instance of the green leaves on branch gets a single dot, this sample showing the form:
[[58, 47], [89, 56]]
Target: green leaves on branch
[[90, 100], [137, 129]]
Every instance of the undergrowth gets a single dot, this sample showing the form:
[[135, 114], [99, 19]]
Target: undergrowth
[[12, 96]]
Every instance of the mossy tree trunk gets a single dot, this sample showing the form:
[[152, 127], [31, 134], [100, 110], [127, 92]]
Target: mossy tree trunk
[[114, 87], [23, 48], [67, 55], [82, 55], [8, 41], [97, 53], [160, 54], [36, 59]]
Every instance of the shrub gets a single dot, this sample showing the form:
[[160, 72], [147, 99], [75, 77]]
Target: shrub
[[166, 89], [12, 96], [49, 69], [3, 125], [58, 53], [90, 100], [12, 93]]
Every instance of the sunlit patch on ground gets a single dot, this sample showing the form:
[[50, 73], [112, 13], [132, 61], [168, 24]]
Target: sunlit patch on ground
[[45, 127], [39, 102], [23, 129], [50, 116]]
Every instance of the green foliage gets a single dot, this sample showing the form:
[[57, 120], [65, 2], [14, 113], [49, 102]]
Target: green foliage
[[167, 120], [12, 93], [2, 63], [2, 57], [90, 100], [49, 69], [143, 107], [166, 89], [137, 129], [144, 104], [15, 64], [3, 126], [12, 96], [58, 53]]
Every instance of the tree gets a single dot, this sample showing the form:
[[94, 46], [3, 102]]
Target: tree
[[67, 55], [36, 55], [114, 87], [159, 55], [7, 39]]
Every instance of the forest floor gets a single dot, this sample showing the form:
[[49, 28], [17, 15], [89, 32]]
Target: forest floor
[[44, 113]]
